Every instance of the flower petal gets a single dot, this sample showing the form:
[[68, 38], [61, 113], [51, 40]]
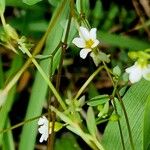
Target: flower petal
[[42, 120], [84, 52], [96, 42], [93, 33], [84, 33], [79, 42], [135, 73]]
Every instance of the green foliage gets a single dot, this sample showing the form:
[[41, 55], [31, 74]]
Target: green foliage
[[116, 25], [8, 142], [146, 126], [90, 121], [31, 2], [2, 6], [134, 101], [98, 100]]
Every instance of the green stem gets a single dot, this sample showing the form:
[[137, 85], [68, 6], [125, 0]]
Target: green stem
[[64, 47], [115, 108], [94, 144], [45, 78], [21, 124], [123, 108], [87, 82], [3, 20]]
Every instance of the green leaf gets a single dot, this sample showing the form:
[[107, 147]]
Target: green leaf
[[123, 41], [134, 101], [117, 70], [2, 6], [8, 142], [146, 129], [98, 100], [31, 2], [91, 122], [67, 141], [16, 64], [83, 5]]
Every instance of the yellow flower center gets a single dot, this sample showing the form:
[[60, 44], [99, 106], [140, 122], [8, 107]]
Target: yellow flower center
[[89, 43]]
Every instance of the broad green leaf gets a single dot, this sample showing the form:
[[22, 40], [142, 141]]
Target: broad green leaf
[[2, 6], [134, 101], [146, 128], [37, 98], [31, 2], [90, 121], [123, 41], [98, 100], [8, 142], [67, 141]]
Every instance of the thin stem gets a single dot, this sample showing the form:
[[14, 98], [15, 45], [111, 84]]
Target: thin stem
[[97, 143], [87, 138], [45, 78], [49, 101], [123, 108], [3, 20], [21, 124], [115, 108], [64, 47], [87, 82]]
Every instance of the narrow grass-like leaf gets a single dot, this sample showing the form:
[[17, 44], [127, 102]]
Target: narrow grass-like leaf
[[123, 41], [31, 2], [90, 121], [8, 142], [16, 64], [134, 101], [146, 127]]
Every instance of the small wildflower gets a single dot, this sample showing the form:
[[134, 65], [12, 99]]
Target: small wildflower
[[137, 71], [44, 125], [87, 41], [43, 129]]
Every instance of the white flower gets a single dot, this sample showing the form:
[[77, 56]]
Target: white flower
[[136, 72], [44, 125], [43, 129], [87, 41]]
